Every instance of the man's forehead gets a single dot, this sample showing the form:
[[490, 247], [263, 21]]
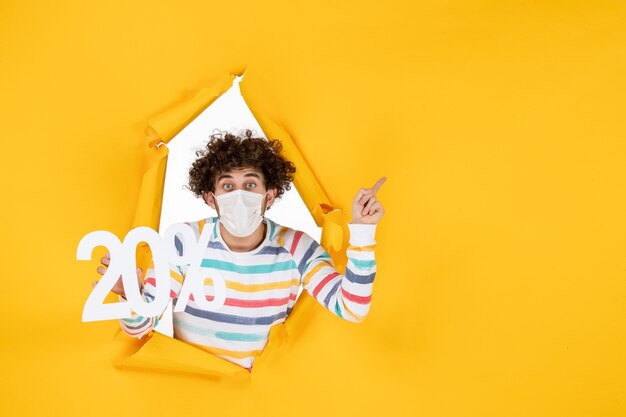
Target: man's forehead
[[240, 172]]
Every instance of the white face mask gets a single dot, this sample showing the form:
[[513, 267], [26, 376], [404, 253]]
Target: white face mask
[[240, 211]]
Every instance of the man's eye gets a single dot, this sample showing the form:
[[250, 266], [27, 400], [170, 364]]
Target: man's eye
[[227, 186], [250, 185]]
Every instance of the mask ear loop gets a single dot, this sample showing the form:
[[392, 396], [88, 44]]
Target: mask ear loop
[[266, 206], [215, 202]]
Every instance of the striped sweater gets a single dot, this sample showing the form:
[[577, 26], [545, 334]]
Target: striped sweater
[[261, 288]]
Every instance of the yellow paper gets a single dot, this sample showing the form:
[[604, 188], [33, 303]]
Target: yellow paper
[[500, 286]]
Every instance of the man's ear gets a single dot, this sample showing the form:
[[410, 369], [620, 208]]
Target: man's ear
[[271, 197], [209, 199]]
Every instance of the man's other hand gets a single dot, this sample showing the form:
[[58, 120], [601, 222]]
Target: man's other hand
[[118, 288], [366, 209]]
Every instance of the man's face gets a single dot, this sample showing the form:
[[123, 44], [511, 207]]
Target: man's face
[[247, 179]]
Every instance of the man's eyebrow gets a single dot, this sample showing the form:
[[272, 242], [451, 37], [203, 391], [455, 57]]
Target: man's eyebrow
[[249, 174]]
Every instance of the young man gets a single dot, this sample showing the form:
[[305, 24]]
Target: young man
[[262, 262]]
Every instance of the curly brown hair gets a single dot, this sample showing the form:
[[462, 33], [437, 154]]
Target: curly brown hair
[[225, 151]]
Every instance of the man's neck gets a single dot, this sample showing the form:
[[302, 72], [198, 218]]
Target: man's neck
[[244, 244]]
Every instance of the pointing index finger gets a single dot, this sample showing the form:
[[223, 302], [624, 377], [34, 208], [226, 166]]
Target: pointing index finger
[[378, 184]]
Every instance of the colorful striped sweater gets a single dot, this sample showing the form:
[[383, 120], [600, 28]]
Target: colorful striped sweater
[[261, 288]]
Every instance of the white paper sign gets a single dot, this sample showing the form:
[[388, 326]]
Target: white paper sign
[[163, 253]]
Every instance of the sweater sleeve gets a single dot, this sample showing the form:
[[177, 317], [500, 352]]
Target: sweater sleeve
[[347, 296], [138, 326]]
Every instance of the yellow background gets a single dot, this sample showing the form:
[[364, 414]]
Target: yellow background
[[501, 285]]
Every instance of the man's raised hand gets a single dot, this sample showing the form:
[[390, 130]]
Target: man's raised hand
[[366, 209]]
